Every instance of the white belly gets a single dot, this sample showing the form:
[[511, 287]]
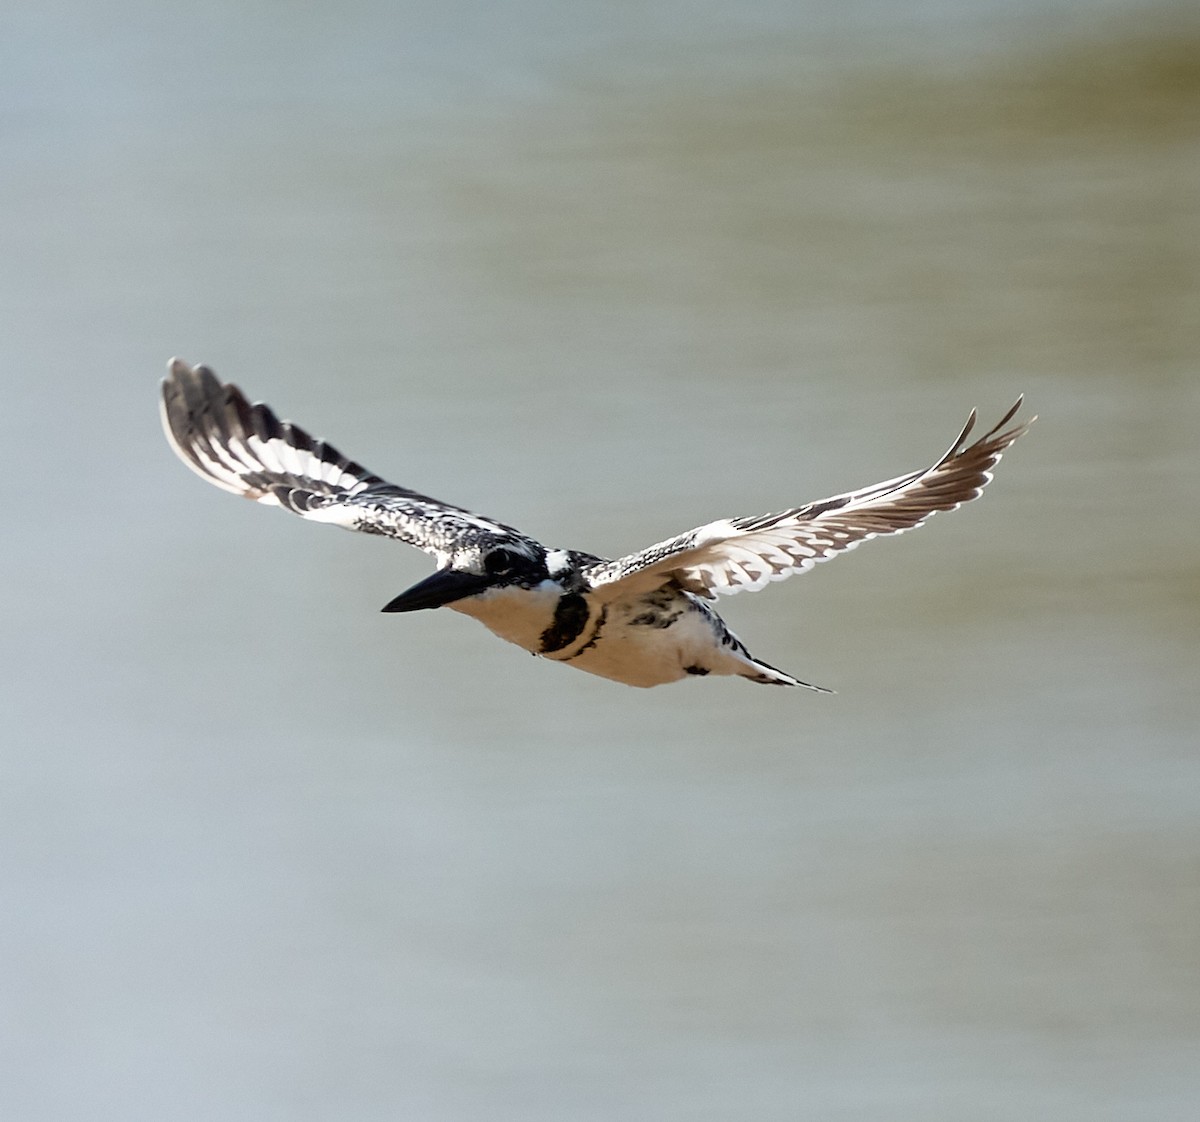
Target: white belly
[[634, 663]]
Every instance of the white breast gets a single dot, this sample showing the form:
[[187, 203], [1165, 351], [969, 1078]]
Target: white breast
[[645, 655]]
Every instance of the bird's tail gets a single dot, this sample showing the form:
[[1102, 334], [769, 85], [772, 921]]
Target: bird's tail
[[767, 675], [244, 448]]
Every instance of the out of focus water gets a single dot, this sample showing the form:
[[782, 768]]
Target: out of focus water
[[605, 273]]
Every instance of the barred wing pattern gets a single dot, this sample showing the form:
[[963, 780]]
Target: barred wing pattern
[[245, 449], [745, 554]]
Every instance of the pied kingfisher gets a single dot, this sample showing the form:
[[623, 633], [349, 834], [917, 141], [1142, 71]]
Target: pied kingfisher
[[643, 620]]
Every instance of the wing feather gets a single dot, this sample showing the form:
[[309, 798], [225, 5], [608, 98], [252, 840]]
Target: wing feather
[[746, 554], [245, 449]]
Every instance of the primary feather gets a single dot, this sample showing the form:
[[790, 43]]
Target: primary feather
[[244, 448]]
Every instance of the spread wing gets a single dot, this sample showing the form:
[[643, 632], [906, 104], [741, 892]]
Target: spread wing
[[247, 450], [738, 554]]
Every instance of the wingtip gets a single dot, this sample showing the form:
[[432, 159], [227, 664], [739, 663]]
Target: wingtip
[[968, 428], [1013, 411], [1010, 414]]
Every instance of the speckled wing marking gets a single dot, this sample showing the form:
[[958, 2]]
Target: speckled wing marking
[[244, 448], [745, 554]]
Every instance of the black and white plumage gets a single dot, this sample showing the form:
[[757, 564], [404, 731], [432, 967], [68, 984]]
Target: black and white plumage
[[644, 619]]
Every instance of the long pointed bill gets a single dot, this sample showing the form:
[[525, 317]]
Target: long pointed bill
[[440, 588]]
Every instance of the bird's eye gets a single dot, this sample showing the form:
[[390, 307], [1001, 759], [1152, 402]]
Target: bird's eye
[[500, 561]]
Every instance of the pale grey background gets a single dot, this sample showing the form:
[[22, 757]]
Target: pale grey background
[[604, 271]]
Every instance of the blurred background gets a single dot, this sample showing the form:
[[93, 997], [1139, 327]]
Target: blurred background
[[605, 272]]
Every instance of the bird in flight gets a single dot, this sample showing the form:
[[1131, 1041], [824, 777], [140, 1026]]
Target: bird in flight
[[644, 620]]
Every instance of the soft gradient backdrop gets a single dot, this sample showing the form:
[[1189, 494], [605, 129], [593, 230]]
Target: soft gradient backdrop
[[605, 271]]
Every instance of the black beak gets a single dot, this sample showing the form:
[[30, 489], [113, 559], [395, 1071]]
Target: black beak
[[443, 587]]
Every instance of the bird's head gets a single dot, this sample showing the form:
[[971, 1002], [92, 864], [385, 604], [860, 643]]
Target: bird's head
[[477, 570]]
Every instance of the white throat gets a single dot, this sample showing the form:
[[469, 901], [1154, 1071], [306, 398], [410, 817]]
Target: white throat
[[519, 615]]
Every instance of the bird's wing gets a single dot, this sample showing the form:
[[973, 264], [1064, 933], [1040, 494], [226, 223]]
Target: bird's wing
[[247, 450], [740, 554]]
